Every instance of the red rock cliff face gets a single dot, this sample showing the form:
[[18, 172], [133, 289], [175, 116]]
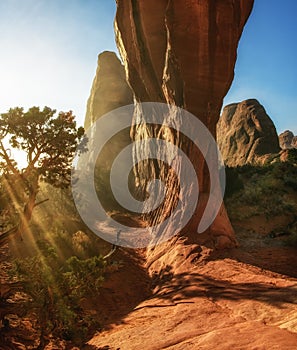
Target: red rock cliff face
[[181, 52]]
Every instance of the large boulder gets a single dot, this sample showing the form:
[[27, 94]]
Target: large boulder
[[246, 134], [181, 53], [287, 140]]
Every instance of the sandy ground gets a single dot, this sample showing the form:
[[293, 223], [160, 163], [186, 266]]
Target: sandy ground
[[244, 298]]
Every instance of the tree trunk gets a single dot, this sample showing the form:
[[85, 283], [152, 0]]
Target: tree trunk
[[21, 240], [6, 236], [26, 215]]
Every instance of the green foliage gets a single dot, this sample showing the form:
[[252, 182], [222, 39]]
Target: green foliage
[[291, 241], [233, 182], [290, 176], [292, 156], [266, 190], [49, 141], [84, 277], [55, 287]]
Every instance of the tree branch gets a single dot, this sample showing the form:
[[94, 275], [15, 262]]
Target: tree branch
[[32, 163], [13, 230], [41, 202], [8, 233], [7, 159]]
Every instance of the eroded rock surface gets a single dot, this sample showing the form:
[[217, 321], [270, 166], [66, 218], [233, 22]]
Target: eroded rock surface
[[287, 140], [246, 134], [181, 53], [222, 305], [198, 301], [110, 89]]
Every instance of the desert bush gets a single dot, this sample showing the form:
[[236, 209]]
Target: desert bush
[[54, 288], [265, 190], [292, 156], [291, 181], [291, 241], [277, 206], [233, 182], [84, 277]]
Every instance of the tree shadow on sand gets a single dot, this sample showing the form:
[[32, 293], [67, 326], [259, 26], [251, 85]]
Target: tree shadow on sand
[[185, 286]]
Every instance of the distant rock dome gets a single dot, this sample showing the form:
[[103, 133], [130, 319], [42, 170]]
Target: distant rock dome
[[246, 134], [287, 140]]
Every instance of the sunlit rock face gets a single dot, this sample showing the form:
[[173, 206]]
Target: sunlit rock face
[[246, 134], [287, 140], [182, 53], [109, 90]]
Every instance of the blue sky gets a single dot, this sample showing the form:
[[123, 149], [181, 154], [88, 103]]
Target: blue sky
[[49, 53], [266, 67]]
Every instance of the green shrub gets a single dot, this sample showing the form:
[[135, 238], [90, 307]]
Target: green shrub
[[261, 190], [84, 277], [54, 289], [233, 182], [292, 156]]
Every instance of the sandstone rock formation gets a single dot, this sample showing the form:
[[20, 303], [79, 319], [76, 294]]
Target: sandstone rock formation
[[287, 140], [109, 90], [181, 53], [246, 134], [221, 305]]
